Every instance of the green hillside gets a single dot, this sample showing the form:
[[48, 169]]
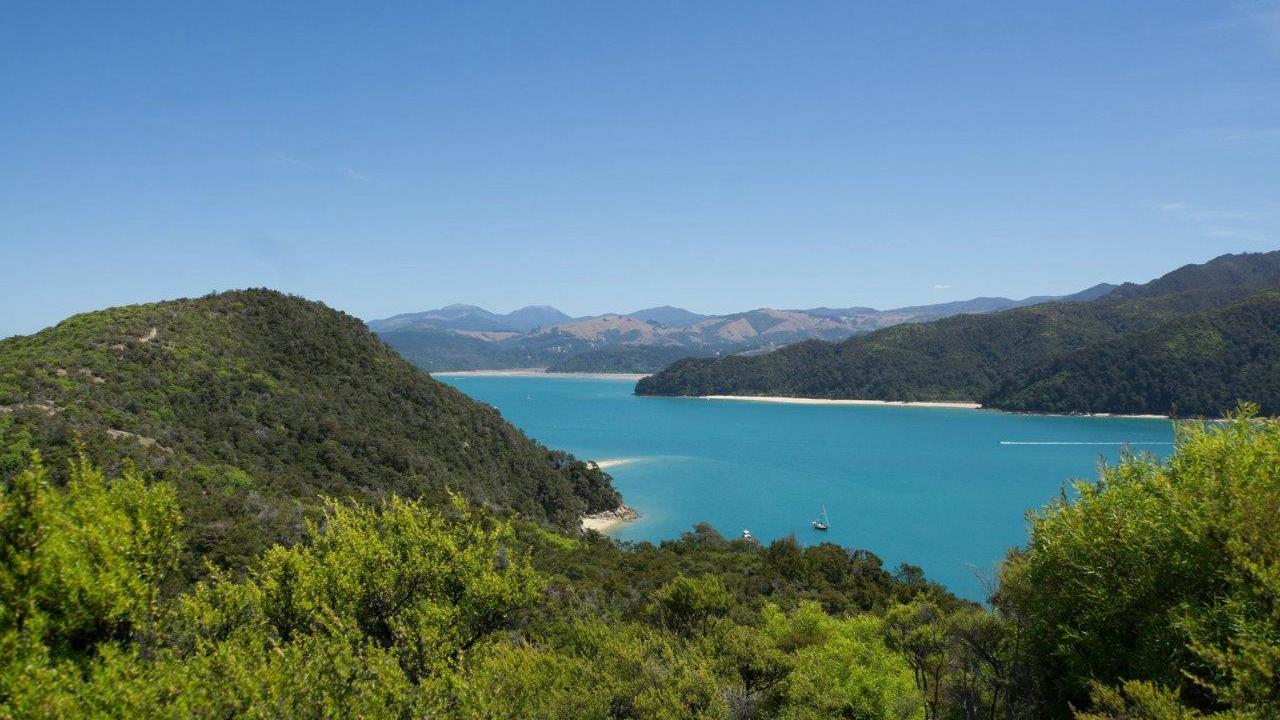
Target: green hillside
[[206, 430], [1201, 364], [952, 359], [1244, 272], [969, 357], [254, 404], [1150, 594]]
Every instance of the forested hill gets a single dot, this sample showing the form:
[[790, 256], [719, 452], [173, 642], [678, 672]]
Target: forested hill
[[1202, 364], [1246, 271], [254, 404], [989, 358]]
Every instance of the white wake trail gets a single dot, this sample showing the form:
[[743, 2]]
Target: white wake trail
[[1066, 442]]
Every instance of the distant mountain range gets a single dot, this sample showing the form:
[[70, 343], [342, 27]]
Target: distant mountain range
[[467, 337], [472, 319], [1193, 342]]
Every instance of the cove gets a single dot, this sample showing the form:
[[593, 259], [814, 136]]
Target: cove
[[945, 489]]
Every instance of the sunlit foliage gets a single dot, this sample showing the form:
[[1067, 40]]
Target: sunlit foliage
[[1159, 573]]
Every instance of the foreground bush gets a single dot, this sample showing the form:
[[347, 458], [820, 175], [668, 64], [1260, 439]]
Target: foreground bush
[[366, 619], [1151, 594], [397, 611], [1160, 573]]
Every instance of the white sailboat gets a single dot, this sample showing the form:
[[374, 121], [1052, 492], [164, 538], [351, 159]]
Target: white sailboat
[[824, 523]]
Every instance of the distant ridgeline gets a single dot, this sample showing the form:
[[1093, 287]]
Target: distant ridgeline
[[255, 404], [1193, 342], [465, 337]]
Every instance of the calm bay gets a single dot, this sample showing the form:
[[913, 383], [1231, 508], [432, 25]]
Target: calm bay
[[946, 489]]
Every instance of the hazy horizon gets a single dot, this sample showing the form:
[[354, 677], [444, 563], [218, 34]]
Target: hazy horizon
[[627, 311]]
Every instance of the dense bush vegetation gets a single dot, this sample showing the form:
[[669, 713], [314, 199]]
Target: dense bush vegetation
[[1163, 574], [1113, 354], [253, 404], [410, 611], [952, 359], [1201, 364], [1152, 593], [249, 507]]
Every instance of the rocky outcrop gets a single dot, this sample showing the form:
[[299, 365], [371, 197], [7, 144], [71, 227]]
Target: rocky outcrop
[[607, 518]]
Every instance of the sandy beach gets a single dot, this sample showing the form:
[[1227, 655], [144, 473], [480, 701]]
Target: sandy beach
[[1091, 415], [537, 372], [900, 403], [1140, 417], [602, 521], [606, 464], [820, 401]]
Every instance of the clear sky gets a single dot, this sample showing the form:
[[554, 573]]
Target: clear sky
[[607, 156]]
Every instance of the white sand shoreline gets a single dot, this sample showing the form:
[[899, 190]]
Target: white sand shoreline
[[606, 464], [824, 401], [952, 405], [1114, 415], [919, 403], [602, 521], [599, 524], [538, 372]]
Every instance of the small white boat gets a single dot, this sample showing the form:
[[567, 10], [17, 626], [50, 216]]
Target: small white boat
[[746, 535], [824, 524]]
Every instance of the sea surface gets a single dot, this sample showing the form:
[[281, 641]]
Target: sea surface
[[945, 489]]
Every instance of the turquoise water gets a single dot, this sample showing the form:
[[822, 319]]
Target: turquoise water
[[939, 488]]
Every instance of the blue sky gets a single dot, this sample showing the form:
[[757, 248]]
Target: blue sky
[[610, 156]]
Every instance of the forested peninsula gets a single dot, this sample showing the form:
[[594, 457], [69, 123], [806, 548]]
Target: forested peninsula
[[1194, 342]]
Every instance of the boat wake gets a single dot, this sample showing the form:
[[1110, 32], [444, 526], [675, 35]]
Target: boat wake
[[1066, 442]]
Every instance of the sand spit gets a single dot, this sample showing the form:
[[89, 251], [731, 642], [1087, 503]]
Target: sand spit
[[821, 401]]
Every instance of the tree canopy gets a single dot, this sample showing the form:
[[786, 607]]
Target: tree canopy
[[254, 404]]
